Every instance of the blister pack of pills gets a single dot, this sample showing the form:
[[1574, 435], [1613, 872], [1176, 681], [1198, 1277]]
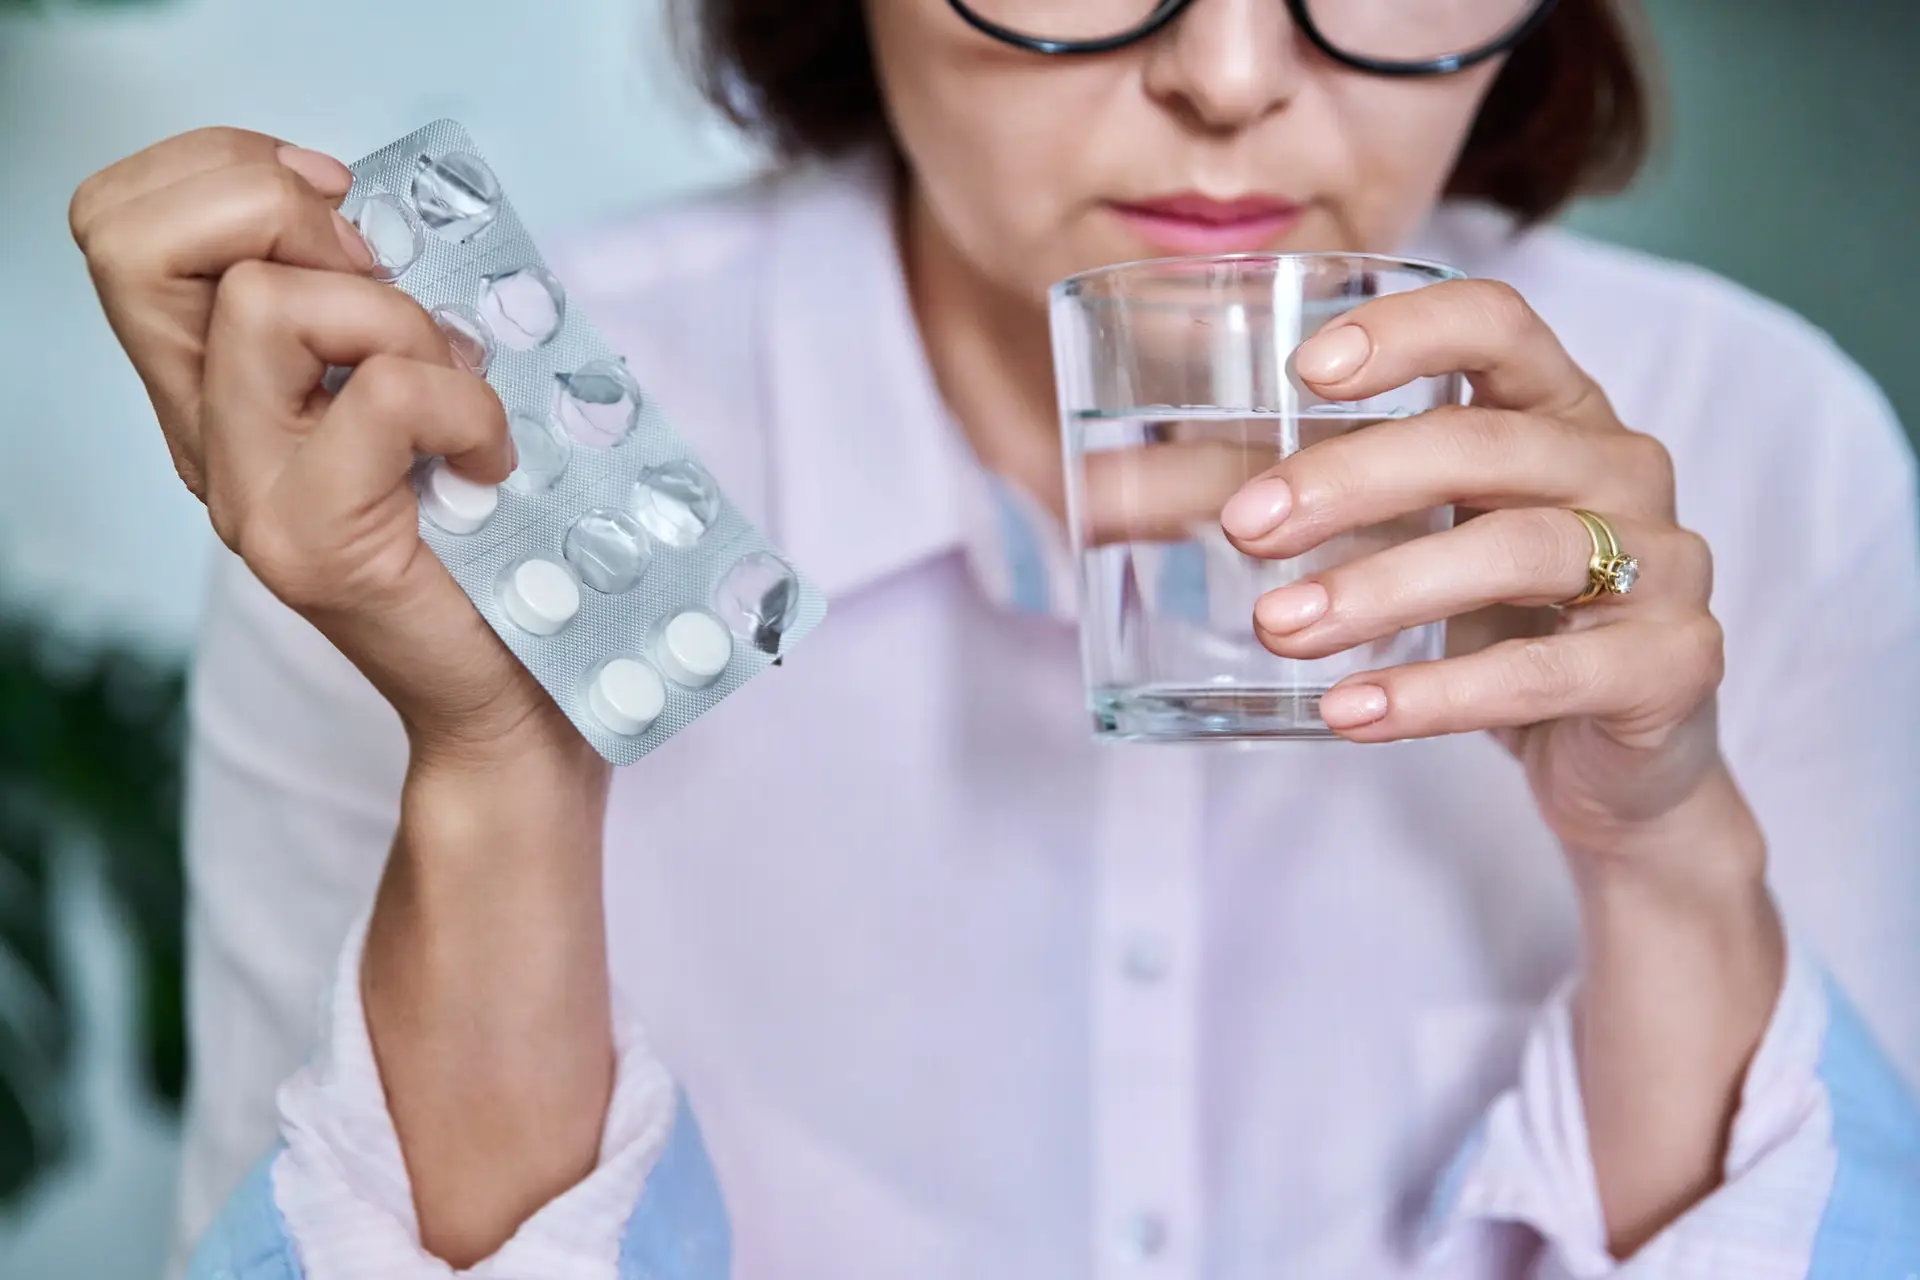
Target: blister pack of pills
[[610, 562]]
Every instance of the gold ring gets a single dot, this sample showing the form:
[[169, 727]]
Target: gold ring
[[1610, 571]]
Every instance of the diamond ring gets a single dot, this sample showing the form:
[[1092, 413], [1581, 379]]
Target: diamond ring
[[1610, 571]]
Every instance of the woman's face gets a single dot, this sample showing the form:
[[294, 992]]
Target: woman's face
[[1226, 132]]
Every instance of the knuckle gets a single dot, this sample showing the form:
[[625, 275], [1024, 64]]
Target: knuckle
[[400, 324], [224, 144], [1544, 671], [384, 388], [477, 419], [490, 421], [1693, 559], [1455, 691], [109, 246], [80, 208], [213, 146], [1690, 665], [425, 340], [250, 296], [1653, 469], [1503, 307], [1705, 646]]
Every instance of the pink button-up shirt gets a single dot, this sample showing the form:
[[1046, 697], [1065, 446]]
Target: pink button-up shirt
[[956, 992]]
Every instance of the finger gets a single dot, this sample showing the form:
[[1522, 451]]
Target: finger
[[153, 259], [335, 529], [1636, 677], [393, 411], [1163, 492], [273, 332], [1526, 557], [203, 224], [327, 176], [1473, 456], [1482, 328], [189, 154], [161, 165]]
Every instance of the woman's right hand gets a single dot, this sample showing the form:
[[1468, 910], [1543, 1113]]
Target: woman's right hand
[[232, 280], [233, 283]]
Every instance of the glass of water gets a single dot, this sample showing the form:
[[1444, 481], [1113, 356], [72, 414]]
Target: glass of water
[[1176, 387]]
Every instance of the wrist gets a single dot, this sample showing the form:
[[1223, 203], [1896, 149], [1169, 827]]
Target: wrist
[[1682, 915], [1707, 934], [1693, 882], [1707, 849], [519, 728], [521, 809], [510, 829], [490, 918]]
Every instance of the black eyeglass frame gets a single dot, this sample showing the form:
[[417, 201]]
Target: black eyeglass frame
[[1168, 10]]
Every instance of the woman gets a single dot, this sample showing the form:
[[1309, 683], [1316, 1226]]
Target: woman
[[952, 992]]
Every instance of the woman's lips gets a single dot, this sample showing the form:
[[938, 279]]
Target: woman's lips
[[1200, 224]]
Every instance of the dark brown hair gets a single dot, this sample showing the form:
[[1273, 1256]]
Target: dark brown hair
[[1570, 114]]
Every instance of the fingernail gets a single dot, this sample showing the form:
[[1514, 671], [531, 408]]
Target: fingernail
[[513, 455], [1257, 509], [1333, 355], [1352, 705], [1291, 607], [357, 251], [322, 172]]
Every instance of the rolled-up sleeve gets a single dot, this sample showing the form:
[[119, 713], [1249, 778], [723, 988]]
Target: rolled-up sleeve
[[333, 1199], [1818, 585], [1821, 1178]]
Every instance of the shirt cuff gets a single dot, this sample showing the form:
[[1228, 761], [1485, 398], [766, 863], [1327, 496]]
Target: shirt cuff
[[1528, 1160], [341, 1183]]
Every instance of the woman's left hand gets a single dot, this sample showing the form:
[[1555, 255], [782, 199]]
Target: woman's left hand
[[1610, 704]]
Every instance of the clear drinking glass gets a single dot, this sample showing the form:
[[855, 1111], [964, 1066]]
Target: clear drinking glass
[[1176, 387]]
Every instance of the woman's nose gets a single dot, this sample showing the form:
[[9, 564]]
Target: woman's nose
[[1226, 64]]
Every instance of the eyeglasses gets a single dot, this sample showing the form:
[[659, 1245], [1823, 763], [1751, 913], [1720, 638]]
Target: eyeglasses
[[1385, 37]]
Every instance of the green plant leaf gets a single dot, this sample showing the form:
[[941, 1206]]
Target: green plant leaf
[[36, 1017], [90, 757]]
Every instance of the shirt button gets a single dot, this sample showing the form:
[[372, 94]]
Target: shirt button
[[1144, 959], [1143, 1236]]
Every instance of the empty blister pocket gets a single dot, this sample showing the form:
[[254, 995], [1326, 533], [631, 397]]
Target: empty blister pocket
[[610, 562]]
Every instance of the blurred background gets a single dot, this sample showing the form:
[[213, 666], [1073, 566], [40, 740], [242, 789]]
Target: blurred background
[[1792, 165]]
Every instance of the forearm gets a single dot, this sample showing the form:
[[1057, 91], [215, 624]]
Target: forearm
[[1684, 959], [486, 990]]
